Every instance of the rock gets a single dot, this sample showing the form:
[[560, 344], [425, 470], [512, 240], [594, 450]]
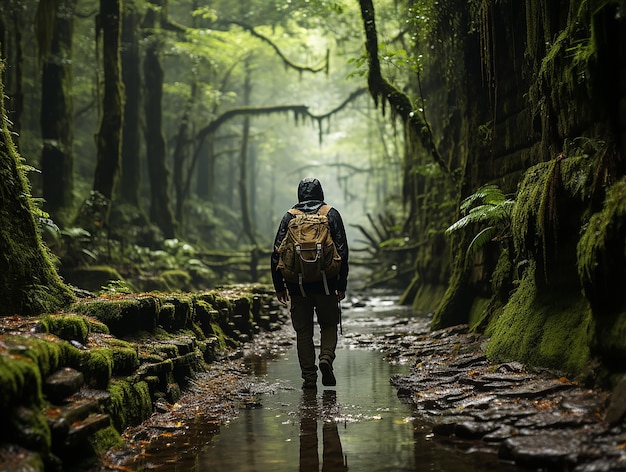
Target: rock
[[535, 389], [63, 383], [474, 429], [448, 424], [541, 451], [82, 430], [617, 403], [14, 458]]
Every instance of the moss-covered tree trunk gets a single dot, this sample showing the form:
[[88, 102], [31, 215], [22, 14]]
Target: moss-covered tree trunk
[[109, 137], [29, 284], [131, 164], [160, 206], [57, 161]]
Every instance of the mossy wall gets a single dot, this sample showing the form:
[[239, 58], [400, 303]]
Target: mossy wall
[[529, 96], [128, 352]]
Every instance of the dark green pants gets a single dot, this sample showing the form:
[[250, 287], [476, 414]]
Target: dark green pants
[[303, 309]]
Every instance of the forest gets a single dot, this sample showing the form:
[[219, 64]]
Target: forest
[[476, 149]]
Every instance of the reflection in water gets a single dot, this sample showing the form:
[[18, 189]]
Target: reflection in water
[[333, 459]]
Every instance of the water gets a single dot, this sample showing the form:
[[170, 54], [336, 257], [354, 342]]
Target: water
[[359, 425]]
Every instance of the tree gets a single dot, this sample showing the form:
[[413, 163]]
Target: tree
[[55, 29], [109, 137], [29, 283], [11, 32], [160, 206], [131, 76]]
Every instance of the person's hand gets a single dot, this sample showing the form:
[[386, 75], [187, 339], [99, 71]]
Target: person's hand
[[282, 297], [341, 295]]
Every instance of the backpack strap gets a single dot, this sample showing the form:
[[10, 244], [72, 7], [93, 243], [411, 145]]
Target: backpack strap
[[324, 209]]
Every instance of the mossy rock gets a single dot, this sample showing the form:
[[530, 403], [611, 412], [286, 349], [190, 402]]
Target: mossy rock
[[125, 360], [183, 311], [553, 329], [123, 316], [130, 403], [97, 366], [21, 382], [91, 278], [68, 327], [177, 280]]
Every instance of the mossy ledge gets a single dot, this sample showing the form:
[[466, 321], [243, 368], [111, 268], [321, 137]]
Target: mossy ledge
[[106, 363]]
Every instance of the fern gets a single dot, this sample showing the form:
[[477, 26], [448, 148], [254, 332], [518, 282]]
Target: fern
[[488, 209]]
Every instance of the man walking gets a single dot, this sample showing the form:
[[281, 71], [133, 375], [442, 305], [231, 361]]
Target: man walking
[[319, 297]]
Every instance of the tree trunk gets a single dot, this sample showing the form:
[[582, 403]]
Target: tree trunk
[[57, 161], [181, 184], [206, 169], [131, 164], [248, 228], [11, 21], [29, 284], [160, 207], [109, 137]]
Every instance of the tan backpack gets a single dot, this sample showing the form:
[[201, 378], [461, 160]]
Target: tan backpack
[[308, 252]]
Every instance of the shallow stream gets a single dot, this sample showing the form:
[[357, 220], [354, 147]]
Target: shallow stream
[[359, 425]]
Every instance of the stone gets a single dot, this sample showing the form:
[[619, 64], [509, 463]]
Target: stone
[[617, 403], [62, 384], [541, 451], [82, 430]]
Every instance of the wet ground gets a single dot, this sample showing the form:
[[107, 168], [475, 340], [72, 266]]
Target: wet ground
[[445, 409]]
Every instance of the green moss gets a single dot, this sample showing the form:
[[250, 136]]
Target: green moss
[[601, 254], [553, 330], [610, 336], [177, 280], [103, 440], [456, 303], [122, 316], [47, 352], [29, 283], [29, 428], [96, 326], [92, 278], [97, 366], [129, 404], [167, 315], [125, 360], [183, 311], [478, 310], [21, 382], [68, 327]]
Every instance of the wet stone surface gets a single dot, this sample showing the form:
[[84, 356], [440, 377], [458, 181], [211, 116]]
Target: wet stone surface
[[534, 419]]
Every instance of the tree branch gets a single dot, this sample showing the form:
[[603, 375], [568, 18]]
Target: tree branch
[[276, 49], [383, 91]]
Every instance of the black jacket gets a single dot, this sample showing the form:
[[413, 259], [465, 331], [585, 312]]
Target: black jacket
[[310, 199]]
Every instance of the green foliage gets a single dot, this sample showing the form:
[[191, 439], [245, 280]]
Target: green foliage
[[600, 249], [115, 287], [488, 209]]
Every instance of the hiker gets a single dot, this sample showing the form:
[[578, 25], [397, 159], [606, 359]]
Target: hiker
[[321, 297]]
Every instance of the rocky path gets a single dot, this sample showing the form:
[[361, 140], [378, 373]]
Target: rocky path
[[534, 418]]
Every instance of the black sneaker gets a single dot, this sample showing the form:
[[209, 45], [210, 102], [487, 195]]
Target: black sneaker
[[328, 378]]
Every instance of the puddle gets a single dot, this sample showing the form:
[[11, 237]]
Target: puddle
[[359, 425]]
